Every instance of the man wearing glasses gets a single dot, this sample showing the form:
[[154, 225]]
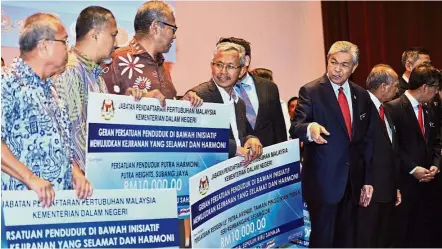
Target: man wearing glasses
[[36, 140], [418, 220], [138, 69], [228, 64]]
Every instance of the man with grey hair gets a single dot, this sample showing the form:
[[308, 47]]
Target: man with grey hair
[[375, 222], [138, 69], [411, 58], [36, 141], [333, 120], [261, 96], [228, 63]]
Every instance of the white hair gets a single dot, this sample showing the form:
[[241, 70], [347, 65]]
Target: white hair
[[226, 46], [345, 47]]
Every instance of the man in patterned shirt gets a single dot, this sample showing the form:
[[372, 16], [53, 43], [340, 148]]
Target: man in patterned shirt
[[138, 68], [96, 30], [36, 142]]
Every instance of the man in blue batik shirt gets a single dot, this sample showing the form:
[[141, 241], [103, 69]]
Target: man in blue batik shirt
[[36, 141]]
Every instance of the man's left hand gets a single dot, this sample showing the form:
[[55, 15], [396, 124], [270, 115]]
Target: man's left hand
[[194, 99], [366, 194], [255, 147], [434, 170], [82, 186]]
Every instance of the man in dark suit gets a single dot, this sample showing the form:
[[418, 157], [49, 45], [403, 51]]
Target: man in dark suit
[[411, 58], [375, 222], [335, 163], [227, 64], [263, 105], [420, 150]]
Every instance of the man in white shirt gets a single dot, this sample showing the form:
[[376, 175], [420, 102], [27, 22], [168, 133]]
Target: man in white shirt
[[261, 97], [411, 58], [228, 63], [375, 221], [418, 217]]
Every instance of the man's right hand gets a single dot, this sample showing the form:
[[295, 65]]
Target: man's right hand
[[138, 94], [315, 133], [157, 95], [422, 174], [44, 190], [243, 152]]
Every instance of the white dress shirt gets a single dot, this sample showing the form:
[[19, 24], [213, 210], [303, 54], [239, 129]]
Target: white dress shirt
[[285, 113], [405, 78], [378, 103], [230, 101]]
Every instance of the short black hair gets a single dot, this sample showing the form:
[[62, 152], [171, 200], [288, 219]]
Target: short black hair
[[90, 18], [263, 73], [413, 54], [424, 74], [149, 12], [290, 100], [238, 41]]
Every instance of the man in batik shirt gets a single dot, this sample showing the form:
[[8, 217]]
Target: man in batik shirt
[[36, 141], [96, 30], [139, 67]]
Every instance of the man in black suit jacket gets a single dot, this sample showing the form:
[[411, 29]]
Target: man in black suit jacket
[[420, 150], [227, 64], [411, 58], [375, 222], [335, 164], [262, 99]]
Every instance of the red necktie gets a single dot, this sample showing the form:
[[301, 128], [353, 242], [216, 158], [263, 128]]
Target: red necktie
[[420, 119], [342, 100], [382, 115]]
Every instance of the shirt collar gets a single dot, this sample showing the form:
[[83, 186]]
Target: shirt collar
[[405, 78], [226, 97], [25, 71], [137, 48], [375, 100], [247, 80], [412, 100], [89, 65], [345, 86]]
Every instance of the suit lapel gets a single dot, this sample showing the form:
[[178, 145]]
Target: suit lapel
[[354, 100], [330, 98], [391, 126], [262, 99], [427, 122], [216, 95]]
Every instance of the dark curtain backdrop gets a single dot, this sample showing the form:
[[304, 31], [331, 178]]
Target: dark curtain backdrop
[[383, 30]]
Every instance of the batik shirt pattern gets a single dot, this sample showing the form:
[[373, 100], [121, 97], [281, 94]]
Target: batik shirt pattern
[[35, 127]]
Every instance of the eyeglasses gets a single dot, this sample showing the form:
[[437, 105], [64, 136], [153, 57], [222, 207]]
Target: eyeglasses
[[174, 28], [65, 42], [220, 66]]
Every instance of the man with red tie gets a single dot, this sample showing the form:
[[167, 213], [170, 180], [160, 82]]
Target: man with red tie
[[375, 222], [420, 150], [333, 120]]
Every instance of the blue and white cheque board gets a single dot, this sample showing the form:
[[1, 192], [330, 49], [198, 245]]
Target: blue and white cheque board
[[140, 145], [109, 219], [258, 206]]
